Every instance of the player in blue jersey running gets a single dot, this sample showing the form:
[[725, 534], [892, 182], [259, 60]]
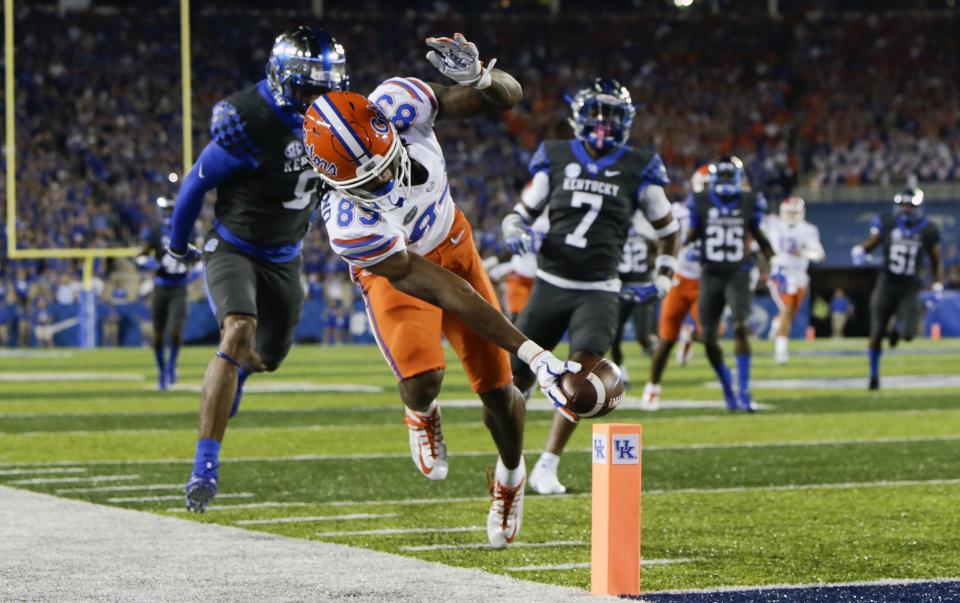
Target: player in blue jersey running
[[267, 195]]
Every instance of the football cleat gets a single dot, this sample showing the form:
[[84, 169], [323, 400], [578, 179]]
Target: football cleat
[[506, 505], [200, 491], [162, 383], [427, 448], [544, 480], [874, 384], [651, 397], [171, 375], [745, 402]]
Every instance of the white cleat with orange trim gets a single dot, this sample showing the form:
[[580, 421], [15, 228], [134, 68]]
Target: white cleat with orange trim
[[651, 397], [506, 506], [427, 448]]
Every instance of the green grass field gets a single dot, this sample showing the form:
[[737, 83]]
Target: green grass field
[[825, 485]]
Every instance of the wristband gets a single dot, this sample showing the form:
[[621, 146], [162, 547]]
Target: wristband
[[528, 350]]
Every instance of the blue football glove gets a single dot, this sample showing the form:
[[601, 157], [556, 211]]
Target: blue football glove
[[516, 234], [639, 293], [858, 255]]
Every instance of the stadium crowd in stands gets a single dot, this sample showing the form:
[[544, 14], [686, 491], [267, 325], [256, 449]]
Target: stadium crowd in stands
[[99, 124]]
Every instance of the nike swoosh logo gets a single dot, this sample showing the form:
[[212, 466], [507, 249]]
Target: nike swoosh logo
[[611, 173], [455, 239], [201, 171]]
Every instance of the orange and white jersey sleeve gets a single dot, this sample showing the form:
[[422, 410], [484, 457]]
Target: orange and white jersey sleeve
[[410, 104], [689, 255], [361, 238]]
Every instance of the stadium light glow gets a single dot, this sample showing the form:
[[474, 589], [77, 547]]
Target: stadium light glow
[[683, 3]]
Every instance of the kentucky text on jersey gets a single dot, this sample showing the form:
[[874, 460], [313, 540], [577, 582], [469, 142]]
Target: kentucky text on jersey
[[591, 186]]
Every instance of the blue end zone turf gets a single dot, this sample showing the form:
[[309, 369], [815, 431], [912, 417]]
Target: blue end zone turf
[[910, 592]]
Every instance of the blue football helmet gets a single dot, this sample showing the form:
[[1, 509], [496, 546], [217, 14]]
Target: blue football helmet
[[165, 208], [602, 114], [909, 203], [305, 62], [727, 177]]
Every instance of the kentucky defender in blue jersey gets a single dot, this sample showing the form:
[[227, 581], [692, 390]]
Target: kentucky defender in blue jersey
[[723, 218], [591, 187], [169, 307], [267, 195], [906, 236]]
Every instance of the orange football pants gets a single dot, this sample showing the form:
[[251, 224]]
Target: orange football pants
[[408, 329], [680, 301], [793, 301], [518, 292]]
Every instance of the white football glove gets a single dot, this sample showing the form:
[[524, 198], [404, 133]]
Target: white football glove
[[459, 60], [175, 263], [663, 283], [548, 369], [516, 234]]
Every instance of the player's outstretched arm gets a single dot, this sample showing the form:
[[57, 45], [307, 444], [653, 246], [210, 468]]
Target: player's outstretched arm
[[480, 90]]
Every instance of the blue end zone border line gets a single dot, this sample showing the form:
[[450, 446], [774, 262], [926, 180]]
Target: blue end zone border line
[[886, 591]]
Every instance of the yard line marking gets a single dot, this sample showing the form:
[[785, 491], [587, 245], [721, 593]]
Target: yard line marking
[[71, 480], [890, 382], [259, 505], [586, 564], [628, 402], [475, 453], [77, 376], [127, 488], [281, 387], [883, 582], [34, 354], [399, 531], [663, 492], [827, 486], [478, 545], [349, 517], [40, 471], [139, 499]]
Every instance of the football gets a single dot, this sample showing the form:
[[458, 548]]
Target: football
[[596, 390]]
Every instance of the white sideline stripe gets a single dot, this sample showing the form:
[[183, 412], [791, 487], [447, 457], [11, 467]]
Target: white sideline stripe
[[628, 402], [399, 531], [517, 545], [280, 387], [72, 480], [569, 566], [661, 492], [139, 499], [891, 382], [127, 488], [475, 453], [39, 471], [260, 505], [78, 376], [22, 353], [349, 517], [882, 582]]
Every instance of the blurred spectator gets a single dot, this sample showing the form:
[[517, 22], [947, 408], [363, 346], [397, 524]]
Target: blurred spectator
[[43, 327], [840, 311]]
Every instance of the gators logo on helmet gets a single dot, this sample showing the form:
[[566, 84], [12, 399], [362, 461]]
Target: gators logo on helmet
[[356, 150]]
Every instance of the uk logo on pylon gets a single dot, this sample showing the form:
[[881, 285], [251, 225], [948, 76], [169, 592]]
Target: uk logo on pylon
[[626, 449], [599, 449]]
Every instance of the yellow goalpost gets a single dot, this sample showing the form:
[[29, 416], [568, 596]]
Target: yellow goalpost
[[88, 255]]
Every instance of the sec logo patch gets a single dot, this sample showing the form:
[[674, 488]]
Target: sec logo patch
[[573, 170]]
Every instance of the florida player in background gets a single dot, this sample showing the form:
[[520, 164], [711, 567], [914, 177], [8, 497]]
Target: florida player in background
[[906, 236], [680, 301], [266, 197], [391, 217], [722, 218], [169, 308], [796, 243], [592, 185]]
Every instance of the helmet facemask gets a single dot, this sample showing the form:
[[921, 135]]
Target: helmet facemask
[[726, 177], [792, 211], [370, 190], [298, 71], [602, 115]]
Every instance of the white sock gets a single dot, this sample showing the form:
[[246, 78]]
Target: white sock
[[511, 477], [781, 345], [774, 327], [549, 461]]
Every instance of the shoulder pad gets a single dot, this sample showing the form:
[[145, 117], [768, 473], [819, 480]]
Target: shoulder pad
[[230, 130], [655, 172]]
